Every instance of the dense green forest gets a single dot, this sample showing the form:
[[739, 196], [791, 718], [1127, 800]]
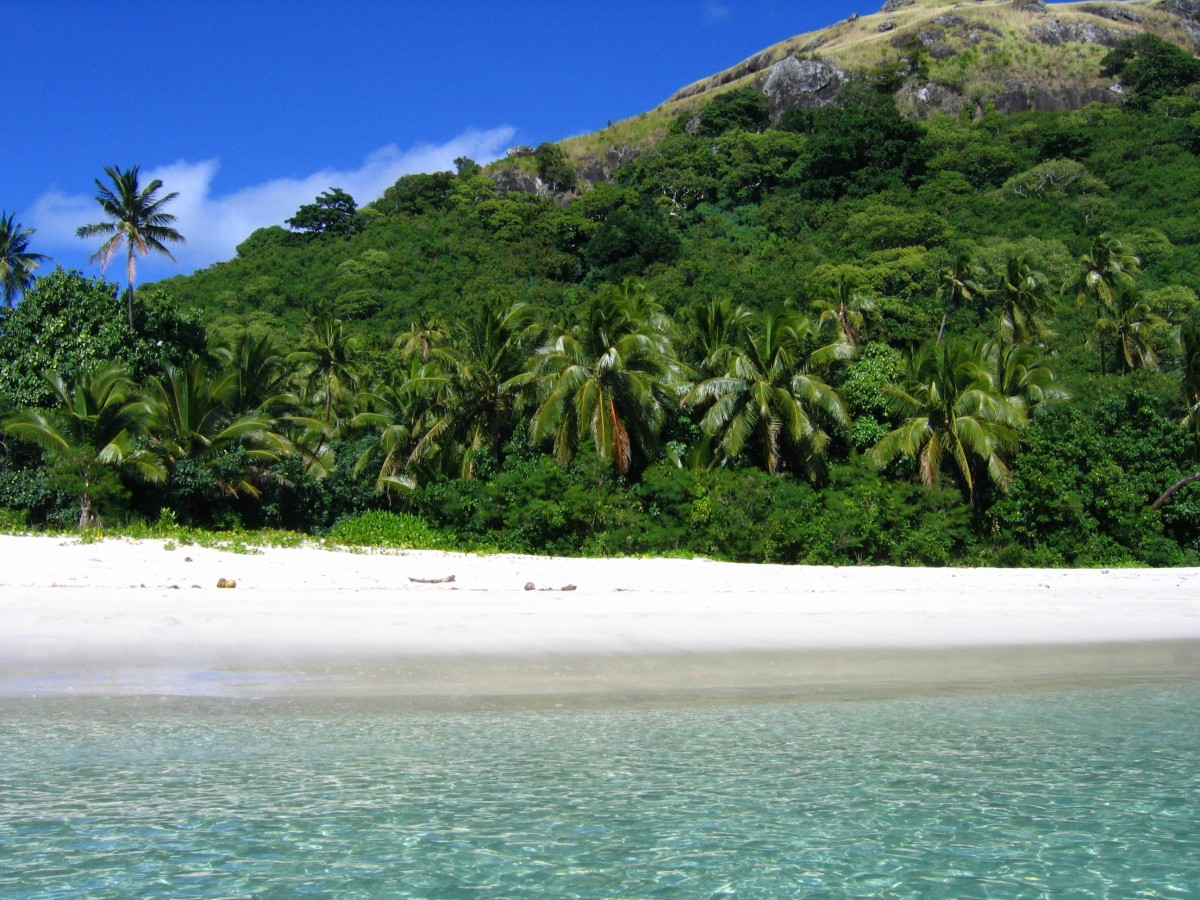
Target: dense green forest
[[848, 337]]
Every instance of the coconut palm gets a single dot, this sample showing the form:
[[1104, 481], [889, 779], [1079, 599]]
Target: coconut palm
[[91, 434], [1021, 373], [390, 409], [951, 412], [963, 281], [260, 374], [192, 419], [1108, 268], [1133, 323], [473, 383], [17, 263], [711, 335], [845, 308], [767, 403], [328, 367], [1022, 293], [609, 378], [136, 221]]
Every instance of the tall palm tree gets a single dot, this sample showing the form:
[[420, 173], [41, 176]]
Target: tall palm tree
[[1022, 292], [16, 261], [1108, 268], [767, 402], [610, 377], [951, 412], [136, 221], [92, 432], [328, 366]]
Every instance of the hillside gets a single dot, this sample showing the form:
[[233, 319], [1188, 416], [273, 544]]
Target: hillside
[[850, 329]]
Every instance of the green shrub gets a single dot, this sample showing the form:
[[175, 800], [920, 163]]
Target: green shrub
[[380, 528]]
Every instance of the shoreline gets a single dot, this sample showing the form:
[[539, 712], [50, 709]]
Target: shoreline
[[122, 617]]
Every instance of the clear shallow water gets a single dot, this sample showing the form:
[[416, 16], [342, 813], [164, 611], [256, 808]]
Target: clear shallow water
[[1092, 793]]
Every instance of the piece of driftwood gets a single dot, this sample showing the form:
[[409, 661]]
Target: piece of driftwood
[[445, 580]]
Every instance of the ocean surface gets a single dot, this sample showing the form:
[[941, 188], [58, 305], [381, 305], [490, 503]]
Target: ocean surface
[[1063, 794]]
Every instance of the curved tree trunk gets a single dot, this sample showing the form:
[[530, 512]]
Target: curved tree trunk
[[1182, 482]]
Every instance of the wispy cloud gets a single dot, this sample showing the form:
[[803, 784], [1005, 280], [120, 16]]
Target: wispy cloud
[[716, 12], [214, 225]]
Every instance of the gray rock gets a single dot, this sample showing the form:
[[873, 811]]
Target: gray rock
[[801, 84], [949, 21], [1021, 97], [1033, 6], [932, 97], [1114, 13], [1055, 32], [1189, 9], [885, 25], [893, 5]]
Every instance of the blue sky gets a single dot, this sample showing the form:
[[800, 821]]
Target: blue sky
[[250, 108]]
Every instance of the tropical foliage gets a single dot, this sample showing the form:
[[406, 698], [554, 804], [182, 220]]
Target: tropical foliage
[[844, 335]]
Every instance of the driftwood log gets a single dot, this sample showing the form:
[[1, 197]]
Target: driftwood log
[[445, 580]]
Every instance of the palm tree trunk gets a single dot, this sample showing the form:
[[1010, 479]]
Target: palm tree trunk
[[129, 296]]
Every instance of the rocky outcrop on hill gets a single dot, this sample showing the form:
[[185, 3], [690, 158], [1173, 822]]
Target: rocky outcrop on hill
[[801, 84], [1055, 32]]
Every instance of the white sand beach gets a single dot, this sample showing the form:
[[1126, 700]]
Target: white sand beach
[[144, 617]]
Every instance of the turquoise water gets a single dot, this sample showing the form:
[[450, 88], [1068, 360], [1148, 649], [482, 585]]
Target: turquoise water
[[1087, 793]]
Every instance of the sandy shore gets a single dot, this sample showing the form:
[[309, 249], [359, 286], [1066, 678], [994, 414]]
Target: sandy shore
[[141, 617]]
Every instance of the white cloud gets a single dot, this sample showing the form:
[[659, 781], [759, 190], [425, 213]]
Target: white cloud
[[215, 225]]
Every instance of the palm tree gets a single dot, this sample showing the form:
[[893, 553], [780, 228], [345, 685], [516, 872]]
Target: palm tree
[[1105, 270], [390, 409], [92, 433], [768, 403], [1022, 293], [192, 419], [846, 309], [963, 281], [136, 221], [609, 377], [16, 261], [1020, 373], [951, 412], [474, 383], [328, 366], [260, 374], [1189, 376], [1134, 324], [712, 334]]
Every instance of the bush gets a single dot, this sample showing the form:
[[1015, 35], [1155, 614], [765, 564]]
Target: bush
[[380, 528]]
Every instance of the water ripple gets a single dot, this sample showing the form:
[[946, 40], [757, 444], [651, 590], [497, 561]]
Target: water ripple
[[1083, 793]]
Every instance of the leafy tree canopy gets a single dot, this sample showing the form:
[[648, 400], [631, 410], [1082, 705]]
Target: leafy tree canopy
[[68, 324], [333, 212], [743, 109], [1150, 67]]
